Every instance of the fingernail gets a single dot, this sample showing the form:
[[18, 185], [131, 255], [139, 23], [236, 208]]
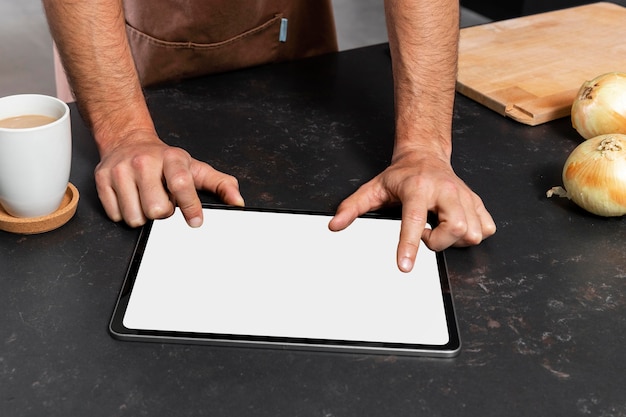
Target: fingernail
[[195, 222], [406, 265]]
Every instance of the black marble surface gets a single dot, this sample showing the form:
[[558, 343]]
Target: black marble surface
[[541, 305]]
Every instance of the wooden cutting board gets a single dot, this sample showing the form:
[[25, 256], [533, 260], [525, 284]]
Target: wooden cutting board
[[530, 68]]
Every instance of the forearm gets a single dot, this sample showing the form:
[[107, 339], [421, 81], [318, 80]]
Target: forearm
[[423, 38], [91, 39]]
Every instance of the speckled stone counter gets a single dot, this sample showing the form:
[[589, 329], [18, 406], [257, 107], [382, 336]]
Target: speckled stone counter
[[541, 305]]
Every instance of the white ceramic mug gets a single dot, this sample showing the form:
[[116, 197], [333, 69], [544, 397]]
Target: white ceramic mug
[[35, 162]]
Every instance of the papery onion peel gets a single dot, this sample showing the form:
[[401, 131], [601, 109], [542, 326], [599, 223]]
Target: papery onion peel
[[594, 175], [600, 106]]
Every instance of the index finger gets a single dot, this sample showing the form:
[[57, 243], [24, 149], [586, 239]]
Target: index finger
[[180, 183], [414, 219]]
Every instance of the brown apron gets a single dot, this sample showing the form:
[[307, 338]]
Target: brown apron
[[175, 39]]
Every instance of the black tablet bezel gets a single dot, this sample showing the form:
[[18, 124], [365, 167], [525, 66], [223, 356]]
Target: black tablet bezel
[[120, 332]]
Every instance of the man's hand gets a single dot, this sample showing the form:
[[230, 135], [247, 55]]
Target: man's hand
[[143, 178], [139, 177], [421, 185], [423, 41]]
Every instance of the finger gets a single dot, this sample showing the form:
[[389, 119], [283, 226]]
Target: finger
[[414, 218], [228, 190], [464, 222], [126, 193], [480, 225], [487, 223], [130, 204], [352, 207], [225, 186], [141, 193], [154, 199], [107, 196], [452, 226], [180, 183]]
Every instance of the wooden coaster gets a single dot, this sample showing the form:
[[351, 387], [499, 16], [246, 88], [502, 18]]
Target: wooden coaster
[[33, 225]]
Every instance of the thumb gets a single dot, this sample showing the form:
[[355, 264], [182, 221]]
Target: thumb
[[225, 186]]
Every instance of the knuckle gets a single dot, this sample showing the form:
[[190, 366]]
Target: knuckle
[[102, 175], [173, 154], [101, 181], [414, 216], [140, 162], [158, 211], [473, 237], [231, 180], [490, 229], [227, 181], [135, 221], [458, 228], [179, 181]]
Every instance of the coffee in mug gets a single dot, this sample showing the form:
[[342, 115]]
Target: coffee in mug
[[35, 154], [26, 121]]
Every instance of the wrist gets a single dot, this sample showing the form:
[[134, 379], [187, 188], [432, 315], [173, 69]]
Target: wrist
[[114, 134], [112, 129], [419, 152], [423, 142]]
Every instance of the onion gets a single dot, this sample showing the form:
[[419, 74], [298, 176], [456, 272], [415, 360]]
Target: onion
[[594, 175], [600, 106]]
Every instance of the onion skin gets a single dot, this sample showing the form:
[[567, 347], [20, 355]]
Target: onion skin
[[594, 175], [600, 106]]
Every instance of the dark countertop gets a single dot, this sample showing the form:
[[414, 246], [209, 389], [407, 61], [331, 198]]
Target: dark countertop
[[541, 305]]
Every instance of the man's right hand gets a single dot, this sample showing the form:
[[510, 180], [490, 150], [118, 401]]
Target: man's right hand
[[139, 177], [142, 178]]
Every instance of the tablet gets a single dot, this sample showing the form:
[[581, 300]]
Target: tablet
[[282, 279]]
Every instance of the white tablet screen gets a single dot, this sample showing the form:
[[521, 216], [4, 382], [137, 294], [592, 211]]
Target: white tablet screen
[[285, 275]]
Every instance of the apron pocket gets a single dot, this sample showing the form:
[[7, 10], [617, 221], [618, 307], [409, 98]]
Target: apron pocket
[[158, 61]]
